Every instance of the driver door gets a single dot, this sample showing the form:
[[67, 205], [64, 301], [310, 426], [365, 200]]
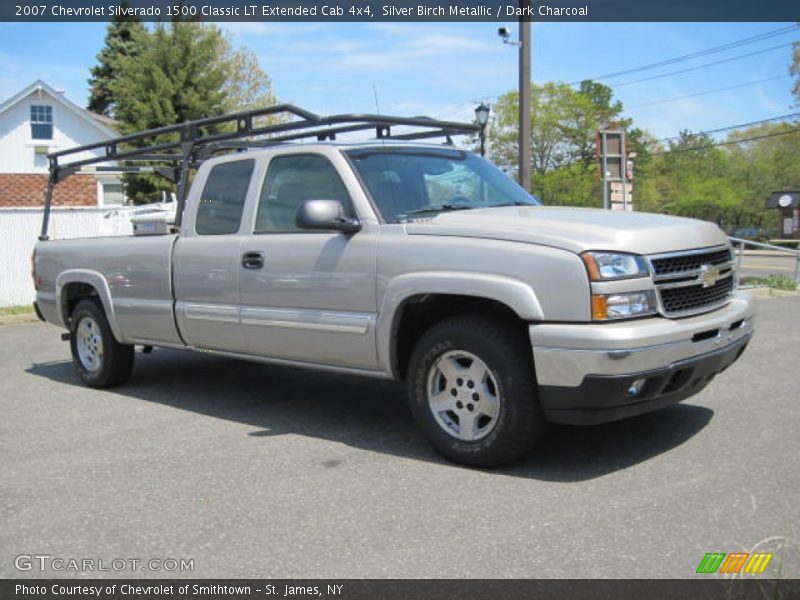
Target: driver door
[[312, 299]]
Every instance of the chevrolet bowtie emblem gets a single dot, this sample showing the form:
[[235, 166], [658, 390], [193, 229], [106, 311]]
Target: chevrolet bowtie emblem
[[709, 275]]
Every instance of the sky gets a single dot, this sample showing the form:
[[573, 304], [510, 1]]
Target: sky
[[444, 70]]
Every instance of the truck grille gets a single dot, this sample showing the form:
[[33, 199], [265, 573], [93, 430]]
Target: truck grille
[[689, 298], [689, 262], [692, 282]]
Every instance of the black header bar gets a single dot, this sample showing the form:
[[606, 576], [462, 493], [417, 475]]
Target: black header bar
[[403, 10]]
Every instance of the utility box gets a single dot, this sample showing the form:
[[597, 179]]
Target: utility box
[[153, 222]]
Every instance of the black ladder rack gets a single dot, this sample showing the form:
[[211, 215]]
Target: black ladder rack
[[203, 138]]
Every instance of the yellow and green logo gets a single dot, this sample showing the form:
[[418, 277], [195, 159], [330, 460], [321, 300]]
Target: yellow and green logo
[[736, 562]]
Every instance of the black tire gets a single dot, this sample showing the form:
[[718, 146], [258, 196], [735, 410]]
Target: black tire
[[110, 363], [505, 351]]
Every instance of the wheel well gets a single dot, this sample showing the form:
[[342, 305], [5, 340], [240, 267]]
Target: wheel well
[[72, 294], [419, 313]]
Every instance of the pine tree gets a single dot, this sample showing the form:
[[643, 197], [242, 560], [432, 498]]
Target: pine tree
[[178, 76], [123, 40]]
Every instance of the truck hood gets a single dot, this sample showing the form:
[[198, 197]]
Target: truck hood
[[575, 229]]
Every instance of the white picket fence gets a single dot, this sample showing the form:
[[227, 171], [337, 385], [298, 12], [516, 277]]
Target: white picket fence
[[20, 228]]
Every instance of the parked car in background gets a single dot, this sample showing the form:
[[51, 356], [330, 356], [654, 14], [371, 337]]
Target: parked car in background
[[752, 234]]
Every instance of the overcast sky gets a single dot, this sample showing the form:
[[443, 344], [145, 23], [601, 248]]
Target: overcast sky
[[444, 70]]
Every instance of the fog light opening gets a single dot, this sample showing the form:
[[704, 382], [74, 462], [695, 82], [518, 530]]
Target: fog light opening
[[636, 387]]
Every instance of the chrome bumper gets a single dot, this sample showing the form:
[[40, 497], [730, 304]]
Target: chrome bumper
[[565, 354]]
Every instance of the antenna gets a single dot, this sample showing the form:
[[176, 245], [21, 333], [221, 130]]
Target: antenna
[[375, 92]]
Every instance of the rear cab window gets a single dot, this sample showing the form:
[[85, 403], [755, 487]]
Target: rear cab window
[[222, 201]]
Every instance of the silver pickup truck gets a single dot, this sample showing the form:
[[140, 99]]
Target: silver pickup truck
[[414, 262]]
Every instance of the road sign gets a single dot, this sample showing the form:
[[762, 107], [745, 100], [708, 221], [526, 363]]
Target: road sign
[[616, 186], [620, 197]]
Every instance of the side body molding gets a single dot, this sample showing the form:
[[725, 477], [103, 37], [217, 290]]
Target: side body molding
[[515, 294], [99, 283]]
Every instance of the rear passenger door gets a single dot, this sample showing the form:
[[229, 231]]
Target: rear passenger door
[[313, 298], [207, 258]]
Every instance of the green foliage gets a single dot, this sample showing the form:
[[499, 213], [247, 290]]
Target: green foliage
[[123, 40], [564, 124], [779, 282], [176, 77], [175, 72], [689, 176], [6, 311], [727, 185], [246, 86]]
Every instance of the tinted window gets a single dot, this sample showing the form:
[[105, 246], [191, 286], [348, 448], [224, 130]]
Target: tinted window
[[290, 181], [222, 201]]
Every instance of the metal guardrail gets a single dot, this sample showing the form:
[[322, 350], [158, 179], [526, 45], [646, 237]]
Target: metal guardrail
[[742, 243]]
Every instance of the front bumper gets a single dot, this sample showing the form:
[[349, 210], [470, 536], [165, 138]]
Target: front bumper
[[584, 371]]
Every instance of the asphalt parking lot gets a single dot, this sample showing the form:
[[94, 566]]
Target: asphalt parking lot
[[255, 471]]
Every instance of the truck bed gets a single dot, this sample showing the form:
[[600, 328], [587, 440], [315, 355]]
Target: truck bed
[[132, 275]]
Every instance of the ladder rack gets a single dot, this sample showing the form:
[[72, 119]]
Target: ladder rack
[[192, 142]]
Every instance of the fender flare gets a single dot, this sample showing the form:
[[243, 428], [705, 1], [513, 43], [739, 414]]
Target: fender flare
[[100, 285], [516, 294]]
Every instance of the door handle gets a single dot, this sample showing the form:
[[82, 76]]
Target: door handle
[[253, 260]]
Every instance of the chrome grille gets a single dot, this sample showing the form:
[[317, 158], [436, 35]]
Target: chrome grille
[[692, 282]]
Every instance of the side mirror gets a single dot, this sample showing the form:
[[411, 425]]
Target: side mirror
[[326, 215]]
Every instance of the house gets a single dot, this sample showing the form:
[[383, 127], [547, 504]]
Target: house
[[39, 120]]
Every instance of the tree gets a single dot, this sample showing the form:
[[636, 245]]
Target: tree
[[123, 40], [565, 121], [247, 85], [178, 76]]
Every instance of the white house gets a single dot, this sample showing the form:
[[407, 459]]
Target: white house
[[38, 120], [34, 122]]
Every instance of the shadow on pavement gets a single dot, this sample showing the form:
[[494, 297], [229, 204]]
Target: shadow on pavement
[[372, 414]]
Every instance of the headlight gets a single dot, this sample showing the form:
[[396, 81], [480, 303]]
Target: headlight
[[623, 306], [604, 266]]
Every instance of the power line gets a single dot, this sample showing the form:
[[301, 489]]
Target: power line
[[685, 57], [674, 60], [730, 127], [703, 66], [705, 93], [728, 143]]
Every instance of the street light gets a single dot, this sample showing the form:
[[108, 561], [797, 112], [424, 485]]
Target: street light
[[482, 119]]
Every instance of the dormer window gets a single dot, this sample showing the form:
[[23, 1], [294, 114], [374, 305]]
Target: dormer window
[[41, 122]]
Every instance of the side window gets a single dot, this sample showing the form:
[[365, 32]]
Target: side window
[[223, 197], [290, 181]]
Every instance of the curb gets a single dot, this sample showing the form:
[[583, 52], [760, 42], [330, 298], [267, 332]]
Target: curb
[[765, 293], [21, 318]]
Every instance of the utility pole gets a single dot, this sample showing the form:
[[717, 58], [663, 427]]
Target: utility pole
[[524, 101]]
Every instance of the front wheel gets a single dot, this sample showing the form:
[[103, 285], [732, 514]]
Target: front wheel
[[100, 360], [472, 391]]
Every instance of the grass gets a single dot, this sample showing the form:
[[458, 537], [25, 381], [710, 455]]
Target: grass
[[779, 282], [15, 310]]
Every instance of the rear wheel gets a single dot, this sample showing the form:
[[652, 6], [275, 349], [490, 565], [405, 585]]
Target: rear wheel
[[472, 391], [100, 360]]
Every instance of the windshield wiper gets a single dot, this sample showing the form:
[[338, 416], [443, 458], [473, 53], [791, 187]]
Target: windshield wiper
[[514, 203], [435, 208]]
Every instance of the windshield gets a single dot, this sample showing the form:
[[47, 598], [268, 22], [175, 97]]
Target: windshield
[[412, 183]]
